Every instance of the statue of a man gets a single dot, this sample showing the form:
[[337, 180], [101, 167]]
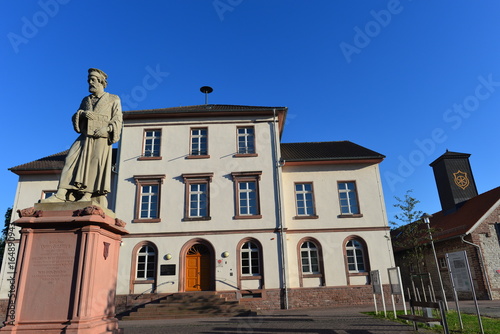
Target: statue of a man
[[86, 174]]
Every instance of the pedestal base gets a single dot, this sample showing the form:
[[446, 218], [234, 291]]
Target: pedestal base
[[66, 272]]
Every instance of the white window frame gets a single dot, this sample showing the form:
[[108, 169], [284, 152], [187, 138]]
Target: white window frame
[[198, 135], [152, 138], [354, 253], [148, 263], [246, 135], [199, 198], [252, 255], [350, 197], [307, 255], [301, 201]]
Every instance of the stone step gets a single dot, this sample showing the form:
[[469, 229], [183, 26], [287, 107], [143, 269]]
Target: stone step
[[188, 305], [207, 308]]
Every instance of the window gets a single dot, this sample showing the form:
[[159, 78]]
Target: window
[[246, 141], [48, 193], [250, 263], [152, 144], [146, 263], [304, 200], [199, 143], [355, 256], [148, 198], [309, 258], [197, 202], [348, 198], [442, 263], [247, 194]]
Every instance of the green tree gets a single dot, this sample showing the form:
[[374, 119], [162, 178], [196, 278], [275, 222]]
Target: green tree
[[5, 231], [410, 234]]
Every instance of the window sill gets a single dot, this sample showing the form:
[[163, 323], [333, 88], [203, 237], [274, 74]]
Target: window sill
[[245, 155], [146, 281], [256, 277], [248, 217], [356, 215], [311, 275], [192, 219], [155, 220], [206, 156], [148, 158], [358, 274], [306, 217]]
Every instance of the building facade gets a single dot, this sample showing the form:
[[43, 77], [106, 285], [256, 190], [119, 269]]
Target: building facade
[[214, 201]]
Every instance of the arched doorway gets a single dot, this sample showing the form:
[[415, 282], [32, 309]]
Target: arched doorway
[[198, 266]]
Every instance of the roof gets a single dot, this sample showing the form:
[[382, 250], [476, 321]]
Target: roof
[[51, 164], [450, 155], [464, 220], [203, 108], [211, 111], [326, 151]]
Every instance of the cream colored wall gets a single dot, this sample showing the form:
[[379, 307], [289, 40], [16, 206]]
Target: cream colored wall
[[324, 179], [372, 207], [226, 273], [379, 254], [175, 147]]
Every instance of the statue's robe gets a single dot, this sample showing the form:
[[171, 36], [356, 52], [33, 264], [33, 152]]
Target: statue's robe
[[89, 160]]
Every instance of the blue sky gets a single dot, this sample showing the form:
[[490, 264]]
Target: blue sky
[[408, 79]]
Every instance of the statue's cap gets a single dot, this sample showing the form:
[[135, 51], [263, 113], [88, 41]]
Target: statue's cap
[[98, 73]]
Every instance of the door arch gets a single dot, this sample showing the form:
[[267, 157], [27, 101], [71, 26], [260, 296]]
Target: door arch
[[198, 266]]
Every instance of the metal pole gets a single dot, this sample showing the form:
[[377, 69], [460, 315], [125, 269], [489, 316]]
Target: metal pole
[[426, 217], [474, 293]]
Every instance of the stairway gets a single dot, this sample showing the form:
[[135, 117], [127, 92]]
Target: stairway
[[187, 305]]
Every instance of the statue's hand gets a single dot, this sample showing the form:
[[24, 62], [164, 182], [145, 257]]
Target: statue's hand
[[90, 115], [101, 133]]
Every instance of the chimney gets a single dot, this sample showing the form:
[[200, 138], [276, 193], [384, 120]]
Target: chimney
[[454, 180]]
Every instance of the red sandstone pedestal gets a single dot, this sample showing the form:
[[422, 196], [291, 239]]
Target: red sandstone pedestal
[[66, 270]]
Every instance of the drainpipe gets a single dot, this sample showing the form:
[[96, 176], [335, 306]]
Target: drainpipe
[[277, 186], [483, 269]]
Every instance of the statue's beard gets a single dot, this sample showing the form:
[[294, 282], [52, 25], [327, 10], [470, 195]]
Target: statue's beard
[[92, 89]]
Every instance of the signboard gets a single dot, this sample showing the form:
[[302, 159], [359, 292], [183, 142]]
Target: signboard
[[459, 270], [395, 281], [167, 269], [376, 284]]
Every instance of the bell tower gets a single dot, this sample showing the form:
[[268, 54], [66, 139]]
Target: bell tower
[[454, 180]]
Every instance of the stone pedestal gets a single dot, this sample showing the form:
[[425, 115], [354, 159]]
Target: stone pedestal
[[66, 270]]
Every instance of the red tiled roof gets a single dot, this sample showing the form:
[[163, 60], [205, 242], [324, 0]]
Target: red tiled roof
[[460, 222], [52, 162], [333, 150], [202, 108], [463, 220]]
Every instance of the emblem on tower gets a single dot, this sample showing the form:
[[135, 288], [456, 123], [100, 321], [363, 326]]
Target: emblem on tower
[[461, 179]]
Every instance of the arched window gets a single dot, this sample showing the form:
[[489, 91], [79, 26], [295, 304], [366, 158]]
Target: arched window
[[250, 259], [146, 263], [355, 256], [309, 258]]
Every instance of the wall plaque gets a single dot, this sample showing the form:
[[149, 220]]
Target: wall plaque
[[167, 270]]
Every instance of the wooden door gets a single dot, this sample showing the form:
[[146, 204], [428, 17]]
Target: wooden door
[[198, 268]]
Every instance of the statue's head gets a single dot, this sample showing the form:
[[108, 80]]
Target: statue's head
[[97, 77]]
